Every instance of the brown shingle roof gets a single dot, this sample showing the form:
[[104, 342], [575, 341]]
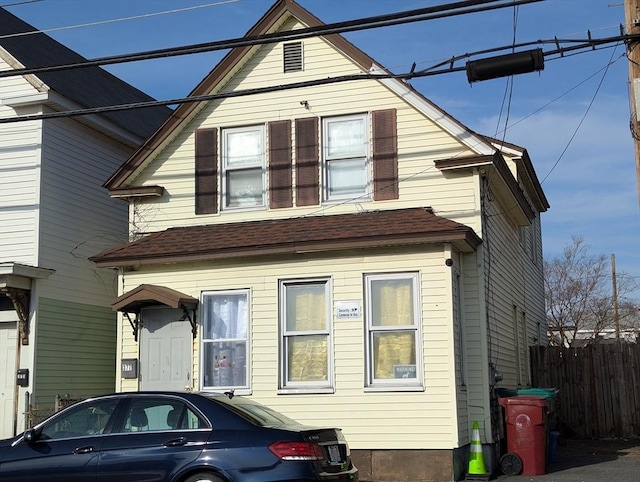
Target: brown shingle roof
[[291, 236]]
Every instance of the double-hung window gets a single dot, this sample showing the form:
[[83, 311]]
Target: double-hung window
[[224, 361], [243, 167], [346, 166], [305, 326], [393, 339]]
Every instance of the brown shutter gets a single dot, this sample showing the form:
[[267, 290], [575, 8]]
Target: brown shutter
[[385, 155], [307, 162], [206, 171], [280, 169]]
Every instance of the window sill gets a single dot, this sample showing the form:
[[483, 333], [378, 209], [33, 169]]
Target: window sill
[[394, 388], [306, 391], [236, 391]]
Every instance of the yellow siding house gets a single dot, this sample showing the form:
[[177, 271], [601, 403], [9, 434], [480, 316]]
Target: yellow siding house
[[346, 253]]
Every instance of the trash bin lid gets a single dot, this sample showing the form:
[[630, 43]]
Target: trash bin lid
[[524, 400], [539, 392]]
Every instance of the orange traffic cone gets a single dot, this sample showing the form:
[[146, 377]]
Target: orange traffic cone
[[476, 457]]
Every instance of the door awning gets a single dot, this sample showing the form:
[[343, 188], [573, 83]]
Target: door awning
[[16, 281], [153, 295]]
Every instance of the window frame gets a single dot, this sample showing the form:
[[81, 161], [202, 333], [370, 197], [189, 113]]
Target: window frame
[[393, 384], [316, 386], [239, 389], [226, 169], [327, 159]]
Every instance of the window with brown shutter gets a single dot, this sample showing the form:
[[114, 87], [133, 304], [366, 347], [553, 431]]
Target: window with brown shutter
[[280, 169], [206, 175], [385, 155], [307, 162]]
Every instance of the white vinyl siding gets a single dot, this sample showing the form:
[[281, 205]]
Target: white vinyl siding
[[427, 418], [78, 218], [421, 141]]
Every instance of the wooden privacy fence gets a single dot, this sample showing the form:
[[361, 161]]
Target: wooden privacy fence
[[599, 387]]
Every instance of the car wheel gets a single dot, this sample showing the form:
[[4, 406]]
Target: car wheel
[[203, 477]]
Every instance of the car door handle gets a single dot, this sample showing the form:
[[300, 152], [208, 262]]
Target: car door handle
[[84, 450], [176, 442]]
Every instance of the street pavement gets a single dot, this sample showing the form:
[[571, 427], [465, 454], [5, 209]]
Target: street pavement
[[589, 461]]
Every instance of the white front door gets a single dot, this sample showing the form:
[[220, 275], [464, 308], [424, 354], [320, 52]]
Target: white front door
[[165, 350], [8, 345]]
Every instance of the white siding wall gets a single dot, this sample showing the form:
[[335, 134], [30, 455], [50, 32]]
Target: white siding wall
[[515, 287], [79, 219], [19, 177], [420, 141], [369, 419]]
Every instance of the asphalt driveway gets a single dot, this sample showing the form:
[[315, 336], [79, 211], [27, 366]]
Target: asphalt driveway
[[590, 461]]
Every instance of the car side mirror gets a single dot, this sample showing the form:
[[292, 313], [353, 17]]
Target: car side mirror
[[30, 435]]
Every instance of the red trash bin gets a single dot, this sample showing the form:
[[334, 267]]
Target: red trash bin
[[526, 418]]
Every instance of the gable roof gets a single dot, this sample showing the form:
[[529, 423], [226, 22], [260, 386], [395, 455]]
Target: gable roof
[[279, 12], [86, 86], [371, 229], [151, 295]]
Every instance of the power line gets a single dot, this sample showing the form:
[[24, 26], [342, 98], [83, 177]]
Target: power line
[[590, 45], [399, 18], [104, 22]]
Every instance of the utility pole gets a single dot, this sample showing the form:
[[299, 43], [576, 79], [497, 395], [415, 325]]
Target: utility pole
[[614, 289], [632, 23]]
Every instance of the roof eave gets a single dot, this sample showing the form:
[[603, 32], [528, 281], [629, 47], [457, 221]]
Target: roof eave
[[464, 239]]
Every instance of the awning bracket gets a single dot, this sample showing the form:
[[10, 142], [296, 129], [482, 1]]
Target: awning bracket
[[135, 324], [20, 300], [192, 321]]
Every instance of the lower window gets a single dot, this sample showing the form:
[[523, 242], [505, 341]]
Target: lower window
[[305, 318], [392, 330], [224, 339]]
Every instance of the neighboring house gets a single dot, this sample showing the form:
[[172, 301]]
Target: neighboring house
[[586, 337], [56, 323], [346, 253]]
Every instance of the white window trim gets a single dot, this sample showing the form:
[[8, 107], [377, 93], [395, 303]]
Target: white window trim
[[400, 384], [225, 167], [238, 390], [327, 197], [286, 387]]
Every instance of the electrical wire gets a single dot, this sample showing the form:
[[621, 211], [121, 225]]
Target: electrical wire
[[115, 20], [410, 16], [584, 116], [254, 91]]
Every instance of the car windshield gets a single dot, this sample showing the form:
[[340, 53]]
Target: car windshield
[[254, 411]]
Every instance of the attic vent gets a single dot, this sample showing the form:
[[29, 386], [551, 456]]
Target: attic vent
[[292, 57]]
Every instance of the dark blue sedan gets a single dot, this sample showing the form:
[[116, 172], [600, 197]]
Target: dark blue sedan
[[176, 437]]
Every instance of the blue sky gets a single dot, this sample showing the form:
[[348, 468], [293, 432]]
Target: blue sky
[[573, 117]]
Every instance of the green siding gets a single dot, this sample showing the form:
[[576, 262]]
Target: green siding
[[76, 349]]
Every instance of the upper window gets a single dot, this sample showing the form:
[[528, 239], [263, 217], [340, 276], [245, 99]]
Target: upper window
[[392, 330], [224, 339], [243, 167], [292, 57], [346, 157], [305, 315]]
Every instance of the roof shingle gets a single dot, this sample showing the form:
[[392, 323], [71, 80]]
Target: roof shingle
[[291, 236]]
